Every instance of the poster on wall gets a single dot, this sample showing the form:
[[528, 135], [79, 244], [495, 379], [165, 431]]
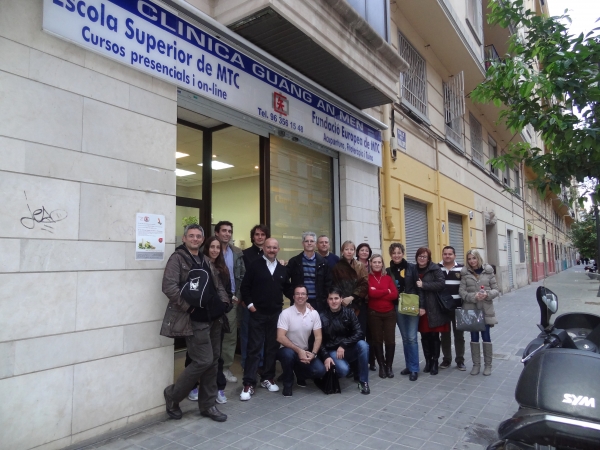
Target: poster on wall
[[149, 237]]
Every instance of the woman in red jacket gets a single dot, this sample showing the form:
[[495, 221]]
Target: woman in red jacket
[[382, 315]]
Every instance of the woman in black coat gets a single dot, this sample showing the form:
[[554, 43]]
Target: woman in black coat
[[432, 320]]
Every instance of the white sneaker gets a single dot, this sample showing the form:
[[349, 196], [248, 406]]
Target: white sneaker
[[247, 393], [193, 395], [269, 385], [221, 397], [229, 376]]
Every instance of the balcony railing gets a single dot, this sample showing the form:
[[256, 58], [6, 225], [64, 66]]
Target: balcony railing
[[491, 55]]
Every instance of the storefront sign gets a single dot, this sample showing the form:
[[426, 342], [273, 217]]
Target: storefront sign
[[148, 37], [401, 138], [149, 237]]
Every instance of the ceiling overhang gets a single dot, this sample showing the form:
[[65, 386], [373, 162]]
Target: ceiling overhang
[[273, 33]]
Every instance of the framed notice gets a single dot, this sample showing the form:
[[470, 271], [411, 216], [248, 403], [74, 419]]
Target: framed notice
[[149, 237]]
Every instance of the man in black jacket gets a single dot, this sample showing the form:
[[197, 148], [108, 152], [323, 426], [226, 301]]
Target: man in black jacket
[[262, 290], [311, 270], [343, 341]]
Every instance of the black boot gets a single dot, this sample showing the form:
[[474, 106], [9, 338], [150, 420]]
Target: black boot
[[425, 344], [435, 353], [390, 351], [378, 350]]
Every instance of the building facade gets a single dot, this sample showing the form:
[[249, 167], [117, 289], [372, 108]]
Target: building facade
[[122, 120]]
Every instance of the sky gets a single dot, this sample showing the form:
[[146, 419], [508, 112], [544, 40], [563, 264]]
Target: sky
[[583, 13]]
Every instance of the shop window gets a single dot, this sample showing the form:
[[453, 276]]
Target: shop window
[[413, 82], [301, 195], [454, 109], [476, 140]]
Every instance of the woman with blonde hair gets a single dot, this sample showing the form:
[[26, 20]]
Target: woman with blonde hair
[[382, 315], [478, 289]]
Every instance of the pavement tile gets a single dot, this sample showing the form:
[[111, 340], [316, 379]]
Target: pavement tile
[[176, 434], [418, 433], [352, 437], [310, 425], [153, 443], [191, 440], [410, 442], [283, 442], [247, 444], [320, 439], [211, 444], [230, 437], [174, 446]]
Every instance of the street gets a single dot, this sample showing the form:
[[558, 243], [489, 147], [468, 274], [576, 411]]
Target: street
[[452, 410]]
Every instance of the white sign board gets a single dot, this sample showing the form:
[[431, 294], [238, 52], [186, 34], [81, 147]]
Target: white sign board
[[151, 38], [401, 138], [149, 236]]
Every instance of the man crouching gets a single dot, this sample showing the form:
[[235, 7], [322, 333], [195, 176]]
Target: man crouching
[[343, 341]]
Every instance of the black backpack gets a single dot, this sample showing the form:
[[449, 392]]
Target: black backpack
[[193, 289]]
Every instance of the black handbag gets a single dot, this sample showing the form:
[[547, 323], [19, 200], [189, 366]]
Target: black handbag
[[469, 320], [330, 383], [448, 303]]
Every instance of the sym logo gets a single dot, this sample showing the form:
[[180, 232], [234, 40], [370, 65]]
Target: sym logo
[[579, 400]]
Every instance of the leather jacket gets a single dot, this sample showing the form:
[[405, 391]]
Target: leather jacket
[[322, 279], [340, 329]]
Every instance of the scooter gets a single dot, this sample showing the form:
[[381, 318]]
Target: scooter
[[559, 385]]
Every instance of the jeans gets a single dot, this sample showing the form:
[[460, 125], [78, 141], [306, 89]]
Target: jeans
[[358, 352], [262, 334], [290, 363], [459, 344], [409, 326], [245, 317], [204, 349], [485, 335]]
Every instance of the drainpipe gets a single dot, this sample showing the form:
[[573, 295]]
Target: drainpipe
[[387, 173]]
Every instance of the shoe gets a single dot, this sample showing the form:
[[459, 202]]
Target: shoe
[[287, 391], [193, 395], [247, 393], [434, 367], [405, 372], [229, 376], [364, 388], [301, 383], [221, 397], [445, 364], [390, 351], [413, 376], [372, 368], [269, 385], [389, 372], [460, 366], [173, 409], [214, 414]]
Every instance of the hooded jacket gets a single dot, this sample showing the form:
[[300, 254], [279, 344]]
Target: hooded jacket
[[470, 285]]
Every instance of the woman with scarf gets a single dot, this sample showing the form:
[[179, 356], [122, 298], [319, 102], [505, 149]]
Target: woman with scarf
[[405, 276]]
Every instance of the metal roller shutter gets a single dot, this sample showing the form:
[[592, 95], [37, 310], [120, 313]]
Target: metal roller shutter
[[455, 230], [415, 222], [510, 259]]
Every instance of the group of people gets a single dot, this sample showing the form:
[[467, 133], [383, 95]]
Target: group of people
[[343, 313]]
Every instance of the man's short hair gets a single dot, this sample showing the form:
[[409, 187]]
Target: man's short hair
[[323, 236], [261, 227], [302, 287], [334, 290], [307, 234], [221, 223], [193, 226], [449, 247]]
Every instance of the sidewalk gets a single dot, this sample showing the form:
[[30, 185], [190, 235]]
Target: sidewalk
[[452, 410]]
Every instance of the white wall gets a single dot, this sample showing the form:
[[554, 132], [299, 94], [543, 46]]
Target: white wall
[[93, 141]]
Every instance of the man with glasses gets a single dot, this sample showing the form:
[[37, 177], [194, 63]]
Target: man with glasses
[[202, 332], [311, 270], [296, 355]]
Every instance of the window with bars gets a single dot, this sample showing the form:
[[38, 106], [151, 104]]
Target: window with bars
[[454, 109], [476, 139], [413, 82]]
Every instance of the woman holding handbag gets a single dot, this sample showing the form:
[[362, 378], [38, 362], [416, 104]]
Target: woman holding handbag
[[405, 276], [433, 320], [478, 289], [382, 316]]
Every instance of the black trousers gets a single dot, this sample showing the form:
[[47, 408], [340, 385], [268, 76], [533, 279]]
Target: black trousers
[[262, 331]]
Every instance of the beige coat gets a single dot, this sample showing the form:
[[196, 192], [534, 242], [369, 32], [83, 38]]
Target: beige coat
[[470, 284]]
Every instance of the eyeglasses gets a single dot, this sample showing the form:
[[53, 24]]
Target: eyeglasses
[[423, 257]]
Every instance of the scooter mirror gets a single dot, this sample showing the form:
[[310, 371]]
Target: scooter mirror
[[548, 303]]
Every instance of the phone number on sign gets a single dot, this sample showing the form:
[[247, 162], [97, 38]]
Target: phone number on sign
[[280, 120]]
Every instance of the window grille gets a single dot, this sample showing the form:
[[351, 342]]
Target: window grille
[[454, 109], [474, 19], [414, 81], [476, 139]]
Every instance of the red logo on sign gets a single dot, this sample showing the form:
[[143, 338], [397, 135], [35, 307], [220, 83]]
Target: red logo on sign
[[281, 104]]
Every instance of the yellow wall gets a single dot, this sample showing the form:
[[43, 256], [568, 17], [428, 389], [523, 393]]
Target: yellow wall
[[417, 181]]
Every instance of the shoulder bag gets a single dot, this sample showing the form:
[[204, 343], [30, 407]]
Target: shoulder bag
[[408, 304]]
